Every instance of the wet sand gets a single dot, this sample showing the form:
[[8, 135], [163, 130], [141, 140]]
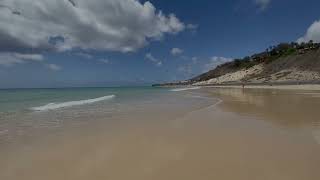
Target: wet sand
[[220, 134], [310, 87]]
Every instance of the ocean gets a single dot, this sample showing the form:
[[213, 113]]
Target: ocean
[[26, 112], [14, 100]]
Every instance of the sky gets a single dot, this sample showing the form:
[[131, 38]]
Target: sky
[[76, 43]]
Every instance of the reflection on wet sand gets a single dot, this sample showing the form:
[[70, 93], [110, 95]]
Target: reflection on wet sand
[[287, 108], [283, 108]]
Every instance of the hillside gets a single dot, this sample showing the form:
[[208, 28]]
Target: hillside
[[283, 63]]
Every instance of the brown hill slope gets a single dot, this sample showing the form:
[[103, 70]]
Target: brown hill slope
[[296, 66]]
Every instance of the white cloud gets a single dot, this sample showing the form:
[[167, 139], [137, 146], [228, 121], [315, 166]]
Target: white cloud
[[192, 27], [176, 51], [186, 70], [313, 33], [262, 4], [84, 55], [105, 61], [156, 61], [33, 57], [53, 67], [214, 62], [194, 60], [10, 59], [107, 25]]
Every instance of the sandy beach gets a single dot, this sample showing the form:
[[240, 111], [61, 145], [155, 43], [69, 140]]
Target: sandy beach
[[207, 133]]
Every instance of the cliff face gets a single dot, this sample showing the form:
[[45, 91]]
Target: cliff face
[[299, 66]]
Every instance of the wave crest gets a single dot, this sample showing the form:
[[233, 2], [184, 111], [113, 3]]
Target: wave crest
[[184, 89], [53, 106]]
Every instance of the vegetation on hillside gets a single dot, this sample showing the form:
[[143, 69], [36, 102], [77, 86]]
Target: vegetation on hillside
[[268, 56], [274, 52], [303, 56]]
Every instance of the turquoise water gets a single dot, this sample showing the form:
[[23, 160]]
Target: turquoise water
[[32, 113], [13, 100]]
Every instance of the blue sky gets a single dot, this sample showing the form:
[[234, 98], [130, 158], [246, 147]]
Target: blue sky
[[127, 42]]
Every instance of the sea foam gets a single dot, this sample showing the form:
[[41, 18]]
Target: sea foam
[[53, 106], [185, 89]]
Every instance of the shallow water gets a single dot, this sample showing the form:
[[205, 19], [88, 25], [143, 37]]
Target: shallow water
[[161, 134]]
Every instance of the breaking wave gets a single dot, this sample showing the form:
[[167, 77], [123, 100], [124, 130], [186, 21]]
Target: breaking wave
[[53, 106], [185, 89]]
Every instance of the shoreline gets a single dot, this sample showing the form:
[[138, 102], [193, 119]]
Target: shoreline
[[288, 85], [313, 87], [284, 85]]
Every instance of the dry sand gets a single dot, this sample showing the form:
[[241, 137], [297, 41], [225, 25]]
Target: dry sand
[[233, 77], [289, 75], [256, 74]]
